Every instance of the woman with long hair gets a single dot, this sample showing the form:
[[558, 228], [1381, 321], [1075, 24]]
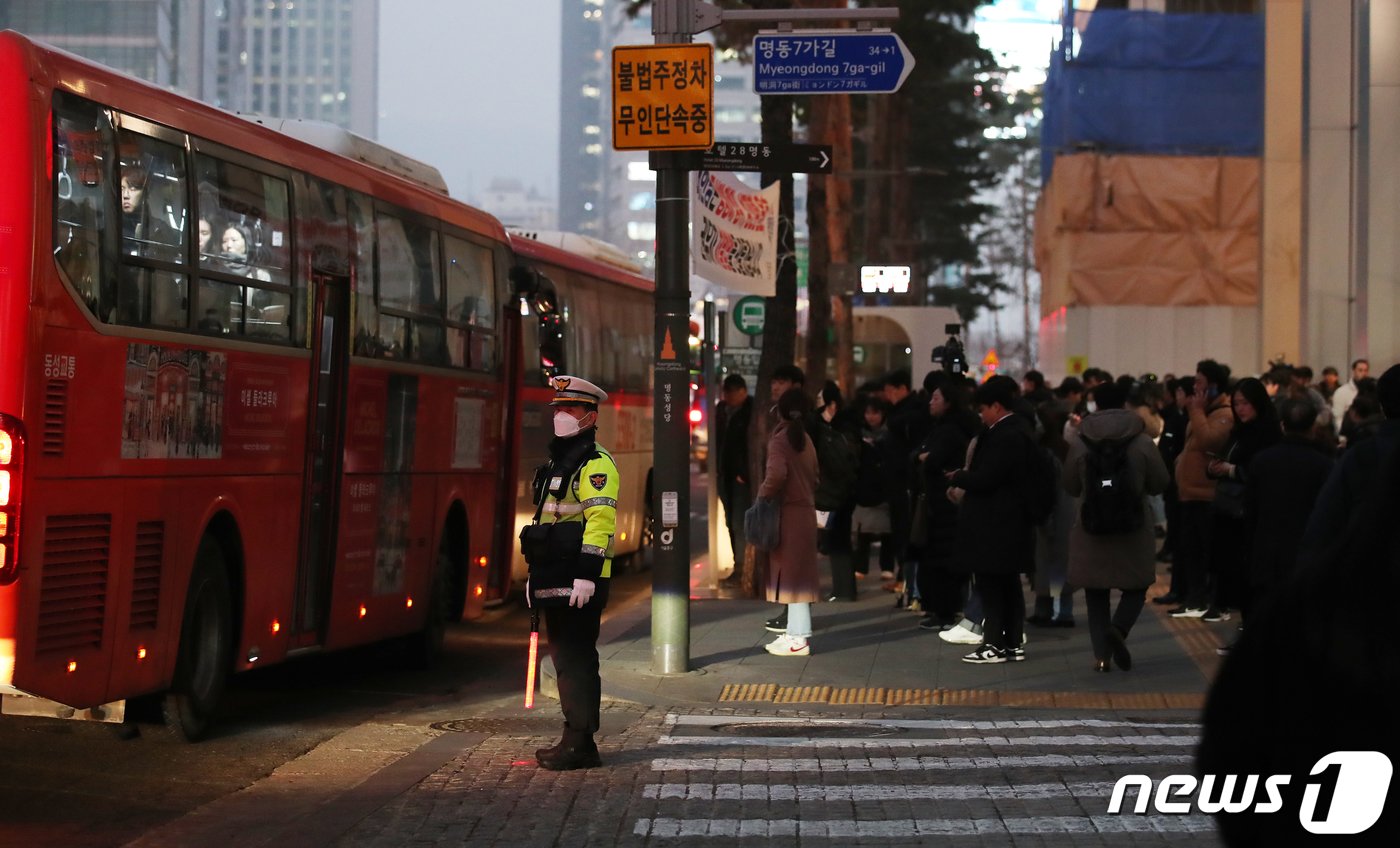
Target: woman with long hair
[[1256, 427], [790, 477]]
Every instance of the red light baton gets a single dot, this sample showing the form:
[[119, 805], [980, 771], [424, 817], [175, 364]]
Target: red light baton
[[534, 655]]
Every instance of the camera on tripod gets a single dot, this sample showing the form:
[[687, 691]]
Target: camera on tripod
[[950, 354]]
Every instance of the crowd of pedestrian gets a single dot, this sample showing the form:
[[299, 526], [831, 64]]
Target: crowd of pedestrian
[[961, 496]]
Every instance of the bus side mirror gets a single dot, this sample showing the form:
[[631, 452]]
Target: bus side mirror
[[524, 281]]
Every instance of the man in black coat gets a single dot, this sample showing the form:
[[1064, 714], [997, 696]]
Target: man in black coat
[[735, 490], [1354, 474], [1284, 482], [996, 539]]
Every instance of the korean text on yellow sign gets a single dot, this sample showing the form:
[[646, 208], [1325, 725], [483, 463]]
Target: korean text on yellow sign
[[663, 97]]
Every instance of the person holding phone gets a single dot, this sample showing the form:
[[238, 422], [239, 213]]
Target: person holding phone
[[1207, 433]]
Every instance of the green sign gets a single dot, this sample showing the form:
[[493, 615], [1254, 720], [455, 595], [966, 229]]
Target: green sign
[[858, 354], [748, 315]]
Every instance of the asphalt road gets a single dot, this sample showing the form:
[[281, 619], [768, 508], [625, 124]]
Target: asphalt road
[[69, 784]]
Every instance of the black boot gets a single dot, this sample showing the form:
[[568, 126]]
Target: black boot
[[579, 755]]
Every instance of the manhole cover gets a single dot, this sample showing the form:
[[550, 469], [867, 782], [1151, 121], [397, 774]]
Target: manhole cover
[[500, 726], [822, 731]]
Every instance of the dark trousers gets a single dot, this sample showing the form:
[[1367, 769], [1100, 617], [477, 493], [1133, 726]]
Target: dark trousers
[[573, 647], [940, 591], [1130, 603], [1003, 608], [863, 543], [736, 500], [834, 540], [1192, 555]]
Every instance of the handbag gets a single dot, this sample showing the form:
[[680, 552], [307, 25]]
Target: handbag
[[1229, 499], [918, 524], [762, 524]]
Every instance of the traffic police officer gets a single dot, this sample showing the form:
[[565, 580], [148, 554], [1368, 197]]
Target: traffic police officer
[[579, 484]]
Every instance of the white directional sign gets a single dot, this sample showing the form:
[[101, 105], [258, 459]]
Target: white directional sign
[[830, 62]]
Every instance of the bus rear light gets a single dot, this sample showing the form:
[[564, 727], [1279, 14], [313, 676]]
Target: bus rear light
[[479, 591], [481, 561], [408, 603], [363, 611], [11, 484], [276, 626], [141, 653], [72, 666]]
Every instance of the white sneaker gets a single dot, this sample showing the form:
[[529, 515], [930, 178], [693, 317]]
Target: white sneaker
[[788, 646], [961, 634]]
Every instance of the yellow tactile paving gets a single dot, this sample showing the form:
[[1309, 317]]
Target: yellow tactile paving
[[803, 695], [859, 696], [878, 696]]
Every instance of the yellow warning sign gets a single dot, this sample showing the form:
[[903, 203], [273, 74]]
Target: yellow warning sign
[[668, 350], [1075, 366], [990, 361], [663, 97]]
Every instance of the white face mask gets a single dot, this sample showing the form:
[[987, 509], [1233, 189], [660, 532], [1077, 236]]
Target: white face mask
[[565, 425], [1091, 406]]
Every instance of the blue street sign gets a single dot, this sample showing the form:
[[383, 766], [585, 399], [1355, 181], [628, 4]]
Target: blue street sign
[[825, 62]]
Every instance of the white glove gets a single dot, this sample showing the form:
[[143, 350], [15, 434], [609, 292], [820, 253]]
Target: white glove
[[583, 590]]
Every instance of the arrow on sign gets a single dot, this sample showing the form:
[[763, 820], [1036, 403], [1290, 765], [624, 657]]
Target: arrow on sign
[[760, 157]]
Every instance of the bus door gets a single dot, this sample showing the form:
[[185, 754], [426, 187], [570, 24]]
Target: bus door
[[324, 439]]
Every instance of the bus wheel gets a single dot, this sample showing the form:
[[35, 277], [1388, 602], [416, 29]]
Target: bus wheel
[[206, 648], [424, 648]]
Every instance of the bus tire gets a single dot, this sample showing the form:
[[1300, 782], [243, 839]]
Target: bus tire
[[206, 648], [424, 649]]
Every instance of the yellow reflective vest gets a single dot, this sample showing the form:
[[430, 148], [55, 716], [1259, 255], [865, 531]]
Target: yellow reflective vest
[[591, 497]]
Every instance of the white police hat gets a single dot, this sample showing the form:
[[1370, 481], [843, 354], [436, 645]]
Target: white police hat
[[575, 390]]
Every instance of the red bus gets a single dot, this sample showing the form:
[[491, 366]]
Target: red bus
[[260, 397], [595, 315]]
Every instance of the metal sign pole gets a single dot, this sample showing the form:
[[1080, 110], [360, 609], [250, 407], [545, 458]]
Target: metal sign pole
[[670, 576], [677, 22]]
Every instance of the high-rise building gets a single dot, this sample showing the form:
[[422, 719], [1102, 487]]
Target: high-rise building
[[139, 37], [315, 59], [584, 65]]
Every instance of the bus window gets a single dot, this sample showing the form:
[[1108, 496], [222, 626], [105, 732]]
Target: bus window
[[366, 343], [409, 282], [244, 231], [80, 158], [152, 198], [471, 287], [471, 304], [247, 215]]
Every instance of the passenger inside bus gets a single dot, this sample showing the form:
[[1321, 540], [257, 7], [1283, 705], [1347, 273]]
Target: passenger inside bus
[[206, 236], [234, 245], [133, 207]]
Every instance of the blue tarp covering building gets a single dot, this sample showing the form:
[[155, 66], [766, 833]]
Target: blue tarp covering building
[[1144, 82]]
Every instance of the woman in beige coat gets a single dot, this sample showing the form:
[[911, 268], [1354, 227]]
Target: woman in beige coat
[[791, 477]]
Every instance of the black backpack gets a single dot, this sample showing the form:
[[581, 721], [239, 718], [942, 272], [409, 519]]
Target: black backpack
[[1112, 505]]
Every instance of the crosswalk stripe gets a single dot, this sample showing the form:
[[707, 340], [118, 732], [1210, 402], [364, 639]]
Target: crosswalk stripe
[[874, 792], [846, 829], [759, 765], [676, 720], [960, 741]]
